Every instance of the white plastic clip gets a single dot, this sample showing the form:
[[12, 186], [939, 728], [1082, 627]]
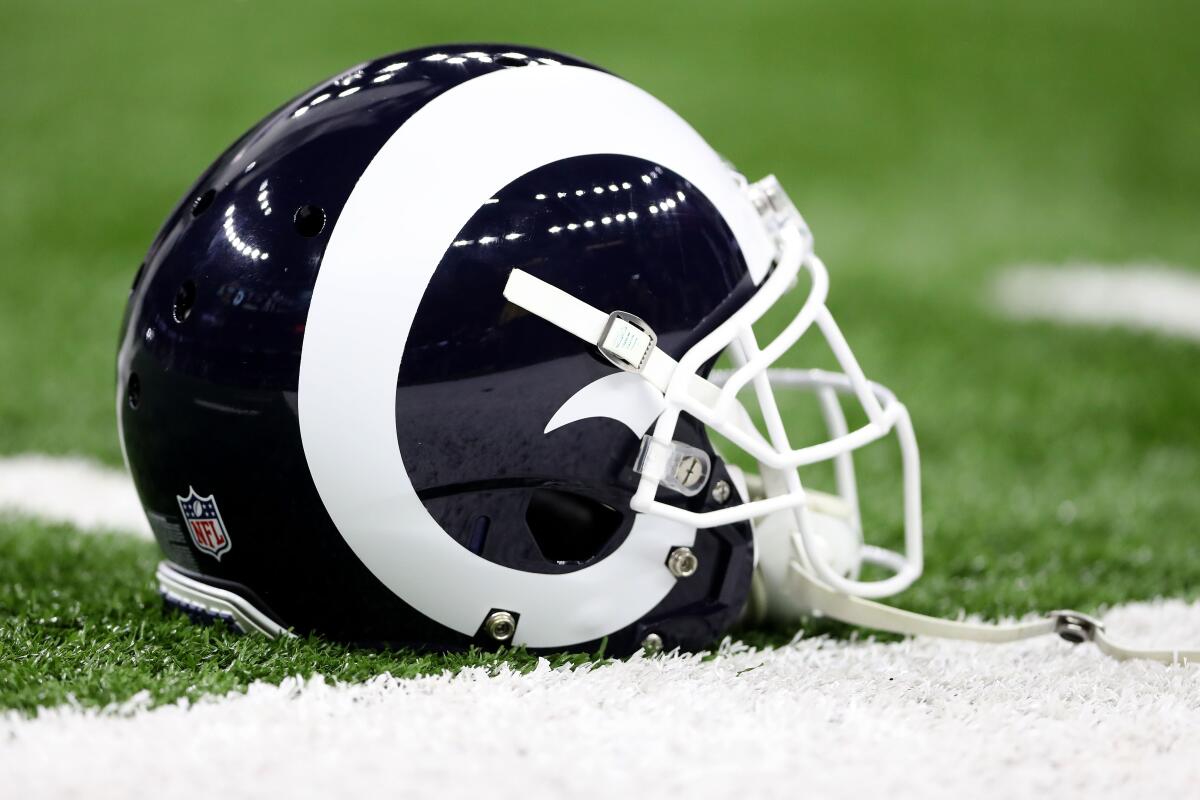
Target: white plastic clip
[[775, 207], [675, 465]]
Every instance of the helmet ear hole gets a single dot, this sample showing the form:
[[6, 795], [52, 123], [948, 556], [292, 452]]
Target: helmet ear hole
[[569, 527]]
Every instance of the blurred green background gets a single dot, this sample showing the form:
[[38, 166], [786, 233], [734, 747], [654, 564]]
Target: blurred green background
[[929, 145], [926, 142]]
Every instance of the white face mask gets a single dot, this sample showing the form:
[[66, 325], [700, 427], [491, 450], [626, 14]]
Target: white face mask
[[810, 545]]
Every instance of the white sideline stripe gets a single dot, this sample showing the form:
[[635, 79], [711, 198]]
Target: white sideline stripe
[[923, 718], [1144, 297], [72, 490]]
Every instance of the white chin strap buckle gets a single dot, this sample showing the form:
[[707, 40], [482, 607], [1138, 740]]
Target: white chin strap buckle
[[627, 341]]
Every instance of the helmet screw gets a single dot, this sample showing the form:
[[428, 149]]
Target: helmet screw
[[500, 625], [682, 562], [652, 644], [689, 472], [720, 491]]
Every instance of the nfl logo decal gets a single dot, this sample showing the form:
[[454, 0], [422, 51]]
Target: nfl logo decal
[[204, 522]]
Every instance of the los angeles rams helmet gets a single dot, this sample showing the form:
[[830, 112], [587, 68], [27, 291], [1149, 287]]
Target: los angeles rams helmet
[[425, 358]]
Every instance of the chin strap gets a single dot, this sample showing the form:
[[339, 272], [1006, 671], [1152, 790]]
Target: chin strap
[[1072, 626], [625, 340], [622, 338]]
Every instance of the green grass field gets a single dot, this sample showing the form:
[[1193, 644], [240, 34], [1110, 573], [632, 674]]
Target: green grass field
[[929, 145]]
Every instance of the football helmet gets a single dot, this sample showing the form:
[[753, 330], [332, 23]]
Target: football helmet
[[426, 358]]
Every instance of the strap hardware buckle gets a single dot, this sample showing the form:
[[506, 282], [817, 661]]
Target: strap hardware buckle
[[1074, 627], [627, 341]]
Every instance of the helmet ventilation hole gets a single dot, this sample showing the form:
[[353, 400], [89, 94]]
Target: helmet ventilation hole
[[185, 298], [202, 202], [510, 60], [309, 220], [133, 391]]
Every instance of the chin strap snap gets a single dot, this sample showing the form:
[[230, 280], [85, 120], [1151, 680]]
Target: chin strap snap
[[1072, 626]]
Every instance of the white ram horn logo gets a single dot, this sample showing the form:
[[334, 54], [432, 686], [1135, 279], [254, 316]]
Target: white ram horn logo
[[624, 396]]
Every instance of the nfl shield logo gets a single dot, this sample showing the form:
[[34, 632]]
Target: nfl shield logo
[[204, 523]]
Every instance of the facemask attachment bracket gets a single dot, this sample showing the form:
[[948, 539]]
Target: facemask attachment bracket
[[776, 208], [677, 466]]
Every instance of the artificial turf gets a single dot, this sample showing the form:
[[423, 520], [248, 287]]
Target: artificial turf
[[84, 623], [929, 145]]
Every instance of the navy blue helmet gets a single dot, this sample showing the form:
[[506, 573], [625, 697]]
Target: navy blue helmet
[[424, 359]]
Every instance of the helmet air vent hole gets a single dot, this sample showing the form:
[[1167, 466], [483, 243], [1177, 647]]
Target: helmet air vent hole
[[185, 298], [133, 391], [511, 60], [202, 202], [309, 220], [568, 527]]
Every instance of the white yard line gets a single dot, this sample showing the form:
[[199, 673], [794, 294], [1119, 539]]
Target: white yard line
[[1143, 297], [71, 490], [922, 718]]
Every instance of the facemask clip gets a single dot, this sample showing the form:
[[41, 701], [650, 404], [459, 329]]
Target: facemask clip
[[675, 465], [776, 208]]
